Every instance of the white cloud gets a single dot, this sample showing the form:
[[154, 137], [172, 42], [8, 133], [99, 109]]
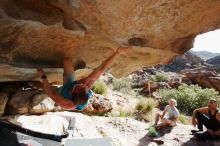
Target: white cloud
[[209, 41]]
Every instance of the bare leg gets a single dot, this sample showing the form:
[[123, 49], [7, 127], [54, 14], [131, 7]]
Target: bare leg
[[164, 123], [68, 74], [158, 116], [68, 66]]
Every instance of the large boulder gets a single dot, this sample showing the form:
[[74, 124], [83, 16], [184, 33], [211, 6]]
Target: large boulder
[[29, 99], [99, 106], [42, 32], [186, 61], [208, 79], [41, 103], [20, 101], [3, 102], [215, 60]]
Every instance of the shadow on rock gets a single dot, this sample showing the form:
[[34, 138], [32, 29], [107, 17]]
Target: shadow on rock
[[147, 139], [194, 142]]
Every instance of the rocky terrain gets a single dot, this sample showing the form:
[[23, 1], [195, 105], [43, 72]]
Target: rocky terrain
[[188, 68], [204, 78], [215, 60], [185, 61], [122, 131], [21, 98], [205, 55], [28, 98], [42, 32]]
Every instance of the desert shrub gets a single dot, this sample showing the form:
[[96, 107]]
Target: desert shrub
[[188, 97], [100, 88], [218, 71], [184, 119], [122, 84], [125, 113], [159, 77], [146, 105]]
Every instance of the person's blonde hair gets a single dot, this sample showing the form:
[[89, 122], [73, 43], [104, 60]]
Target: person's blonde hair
[[173, 100]]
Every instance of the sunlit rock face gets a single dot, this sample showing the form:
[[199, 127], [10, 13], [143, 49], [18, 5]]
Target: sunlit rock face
[[204, 78], [42, 32]]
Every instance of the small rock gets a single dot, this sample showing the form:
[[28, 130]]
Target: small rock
[[100, 105]]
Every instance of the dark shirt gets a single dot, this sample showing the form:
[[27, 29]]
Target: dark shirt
[[214, 123]]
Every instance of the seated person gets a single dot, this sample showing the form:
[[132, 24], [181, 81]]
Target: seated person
[[171, 118], [75, 94], [211, 122]]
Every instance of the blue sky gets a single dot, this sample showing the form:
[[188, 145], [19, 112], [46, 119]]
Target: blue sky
[[209, 41]]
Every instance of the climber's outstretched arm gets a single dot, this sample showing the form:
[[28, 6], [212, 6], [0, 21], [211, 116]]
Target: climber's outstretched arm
[[58, 99], [106, 64]]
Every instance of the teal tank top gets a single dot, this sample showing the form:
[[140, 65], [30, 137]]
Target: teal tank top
[[65, 94]]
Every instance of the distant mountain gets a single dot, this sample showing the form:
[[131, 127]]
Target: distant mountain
[[215, 60], [205, 54], [186, 61]]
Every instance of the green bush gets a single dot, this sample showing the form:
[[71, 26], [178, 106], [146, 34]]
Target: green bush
[[100, 88], [188, 97], [159, 77], [218, 71], [145, 105], [183, 119], [122, 84], [125, 113]]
